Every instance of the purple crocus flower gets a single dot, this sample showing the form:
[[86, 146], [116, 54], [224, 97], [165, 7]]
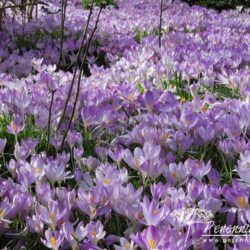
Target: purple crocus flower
[[74, 236], [243, 168], [95, 231], [35, 223], [52, 215], [150, 238], [116, 154], [125, 245], [136, 160], [153, 168], [44, 193], [195, 189], [53, 240], [206, 133], [157, 190], [2, 145], [56, 173], [197, 168], [6, 209], [152, 211], [15, 127], [176, 173]]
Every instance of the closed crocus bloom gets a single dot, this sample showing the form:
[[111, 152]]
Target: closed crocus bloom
[[136, 160], [243, 168], [6, 208], [46, 78], [2, 145], [195, 189], [44, 193]]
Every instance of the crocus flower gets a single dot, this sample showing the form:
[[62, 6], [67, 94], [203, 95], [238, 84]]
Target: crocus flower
[[243, 168], [95, 231], [152, 212], [2, 145], [5, 209], [197, 168], [195, 189], [15, 127], [56, 173], [153, 168], [74, 236], [35, 223], [151, 238], [53, 240], [136, 160], [52, 215], [125, 245]]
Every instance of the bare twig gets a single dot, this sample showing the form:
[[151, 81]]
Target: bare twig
[[79, 78], [63, 15], [49, 120], [20, 5], [76, 66]]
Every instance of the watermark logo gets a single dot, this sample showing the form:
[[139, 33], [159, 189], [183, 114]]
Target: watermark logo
[[212, 232]]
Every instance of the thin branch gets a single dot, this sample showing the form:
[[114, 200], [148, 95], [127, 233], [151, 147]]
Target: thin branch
[[21, 5], [76, 66], [49, 120], [79, 78], [63, 15]]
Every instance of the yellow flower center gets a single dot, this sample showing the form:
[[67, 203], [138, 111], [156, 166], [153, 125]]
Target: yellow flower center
[[127, 246], [37, 227], [1, 213], [140, 216], [37, 170], [151, 243], [93, 234], [204, 108], [174, 174], [73, 234], [234, 133], [53, 241], [92, 211], [14, 127], [130, 97], [167, 136], [51, 216], [242, 202], [183, 99], [155, 212], [106, 181]]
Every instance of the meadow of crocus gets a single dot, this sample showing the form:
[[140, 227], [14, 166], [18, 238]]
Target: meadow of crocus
[[156, 131]]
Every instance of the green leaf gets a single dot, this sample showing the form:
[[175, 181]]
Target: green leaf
[[140, 88], [85, 4], [225, 92]]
